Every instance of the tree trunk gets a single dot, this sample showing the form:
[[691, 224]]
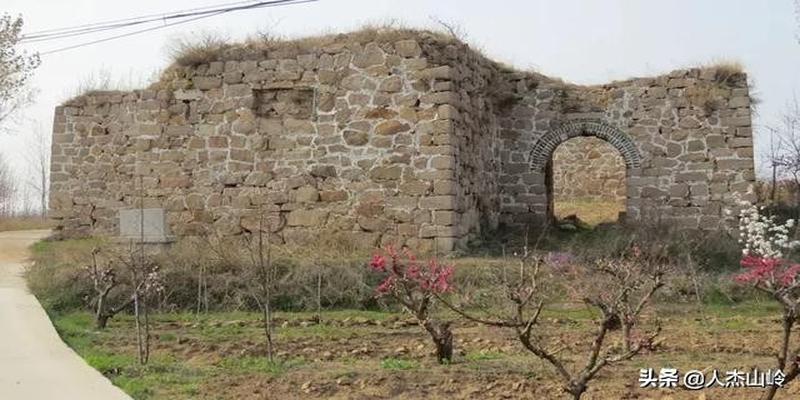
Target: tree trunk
[[138, 322], [100, 317], [576, 389], [268, 330], [444, 349], [770, 392], [783, 356], [146, 312], [774, 183], [101, 321], [443, 340], [626, 336]]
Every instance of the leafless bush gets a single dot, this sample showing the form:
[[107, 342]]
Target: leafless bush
[[253, 258], [38, 159], [785, 152], [120, 279], [104, 280], [453, 29], [619, 289], [200, 48]]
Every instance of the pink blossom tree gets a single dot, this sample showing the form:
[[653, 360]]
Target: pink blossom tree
[[415, 285], [767, 268]]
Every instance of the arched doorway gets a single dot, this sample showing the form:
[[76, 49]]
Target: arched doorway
[[588, 182], [541, 155]]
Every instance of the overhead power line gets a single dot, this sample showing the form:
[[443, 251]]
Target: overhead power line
[[57, 33], [176, 18]]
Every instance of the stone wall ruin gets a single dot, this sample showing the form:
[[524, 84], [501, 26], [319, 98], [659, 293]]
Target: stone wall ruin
[[402, 137]]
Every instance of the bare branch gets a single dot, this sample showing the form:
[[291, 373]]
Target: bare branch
[[453, 29]]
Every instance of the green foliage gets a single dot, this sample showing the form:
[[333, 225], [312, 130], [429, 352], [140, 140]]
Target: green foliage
[[16, 68], [101, 350], [392, 363], [483, 355], [260, 365]]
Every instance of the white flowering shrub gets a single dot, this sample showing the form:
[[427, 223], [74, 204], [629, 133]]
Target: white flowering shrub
[[766, 265], [761, 235]]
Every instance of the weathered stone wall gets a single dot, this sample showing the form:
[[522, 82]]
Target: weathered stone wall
[[352, 139], [409, 138], [588, 168], [685, 137], [475, 136]]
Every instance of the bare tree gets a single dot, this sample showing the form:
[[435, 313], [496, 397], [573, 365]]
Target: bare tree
[[16, 69], [619, 289], [786, 153], [8, 188], [254, 255], [774, 149], [38, 158], [262, 277], [104, 281]]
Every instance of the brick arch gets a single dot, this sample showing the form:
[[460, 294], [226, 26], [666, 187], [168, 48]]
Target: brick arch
[[546, 145]]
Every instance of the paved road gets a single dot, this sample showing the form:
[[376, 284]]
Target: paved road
[[34, 363]]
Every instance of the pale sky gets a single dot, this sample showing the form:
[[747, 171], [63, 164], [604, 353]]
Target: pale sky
[[583, 41]]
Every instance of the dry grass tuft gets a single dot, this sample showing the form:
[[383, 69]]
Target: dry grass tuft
[[593, 212], [205, 47], [726, 72], [209, 46], [24, 223], [105, 82]]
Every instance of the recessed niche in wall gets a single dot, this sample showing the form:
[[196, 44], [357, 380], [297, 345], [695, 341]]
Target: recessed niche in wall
[[295, 103]]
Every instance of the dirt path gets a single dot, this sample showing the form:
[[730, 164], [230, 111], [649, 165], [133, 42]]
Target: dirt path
[[34, 362]]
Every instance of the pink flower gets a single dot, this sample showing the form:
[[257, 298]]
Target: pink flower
[[378, 263], [441, 283], [408, 274], [413, 272], [757, 268], [788, 277], [386, 285]]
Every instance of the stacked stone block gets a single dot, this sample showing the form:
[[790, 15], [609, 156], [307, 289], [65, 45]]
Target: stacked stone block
[[409, 138]]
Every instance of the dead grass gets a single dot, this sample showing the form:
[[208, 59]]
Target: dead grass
[[210, 46], [202, 48], [24, 223], [726, 72], [592, 212]]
